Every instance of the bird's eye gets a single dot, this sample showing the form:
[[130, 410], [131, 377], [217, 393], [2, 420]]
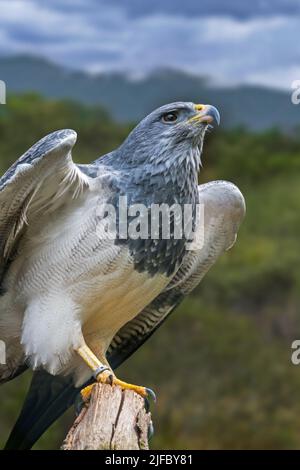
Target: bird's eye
[[170, 117]]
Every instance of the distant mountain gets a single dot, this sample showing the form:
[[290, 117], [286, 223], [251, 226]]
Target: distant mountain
[[126, 99]]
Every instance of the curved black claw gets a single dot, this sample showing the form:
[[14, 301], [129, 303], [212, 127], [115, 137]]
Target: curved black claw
[[151, 394], [146, 404], [79, 403], [150, 430]]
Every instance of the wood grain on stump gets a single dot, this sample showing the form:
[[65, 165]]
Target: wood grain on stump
[[114, 419]]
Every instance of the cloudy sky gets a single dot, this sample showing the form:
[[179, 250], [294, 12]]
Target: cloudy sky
[[233, 41]]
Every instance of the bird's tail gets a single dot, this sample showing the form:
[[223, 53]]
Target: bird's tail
[[48, 398]]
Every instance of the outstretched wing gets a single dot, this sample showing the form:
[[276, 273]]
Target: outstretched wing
[[38, 181], [49, 397], [224, 209]]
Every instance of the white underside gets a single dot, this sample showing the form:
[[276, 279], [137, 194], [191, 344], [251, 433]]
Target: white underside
[[62, 291], [68, 285]]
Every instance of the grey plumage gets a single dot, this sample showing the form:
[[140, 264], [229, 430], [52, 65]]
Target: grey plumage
[[155, 171], [57, 274]]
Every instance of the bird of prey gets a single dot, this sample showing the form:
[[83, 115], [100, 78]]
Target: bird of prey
[[75, 302]]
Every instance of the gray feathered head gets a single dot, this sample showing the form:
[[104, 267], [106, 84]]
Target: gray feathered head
[[174, 129]]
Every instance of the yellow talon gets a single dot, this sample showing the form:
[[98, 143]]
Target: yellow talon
[[107, 378], [86, 393], [143, 391]]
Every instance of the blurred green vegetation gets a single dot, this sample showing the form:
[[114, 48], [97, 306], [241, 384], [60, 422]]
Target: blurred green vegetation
[[221, 364]]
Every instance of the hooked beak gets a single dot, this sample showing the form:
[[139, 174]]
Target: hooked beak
[[206, 114]]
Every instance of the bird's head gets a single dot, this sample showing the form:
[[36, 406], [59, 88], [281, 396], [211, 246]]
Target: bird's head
[[172, 130]]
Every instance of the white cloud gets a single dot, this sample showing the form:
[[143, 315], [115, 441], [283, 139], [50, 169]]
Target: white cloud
[[280, 77], [95, 38]]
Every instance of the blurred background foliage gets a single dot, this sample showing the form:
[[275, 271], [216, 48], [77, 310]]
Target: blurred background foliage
[[221, 364]]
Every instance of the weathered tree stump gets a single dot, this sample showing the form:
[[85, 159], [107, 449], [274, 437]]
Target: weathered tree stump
[[114, 419]]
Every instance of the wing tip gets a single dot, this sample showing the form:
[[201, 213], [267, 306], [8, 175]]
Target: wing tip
[[66, 138], [57, 140], [235, 197]]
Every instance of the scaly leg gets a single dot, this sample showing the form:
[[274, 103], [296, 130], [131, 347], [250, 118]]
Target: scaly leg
[[103, 374]]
